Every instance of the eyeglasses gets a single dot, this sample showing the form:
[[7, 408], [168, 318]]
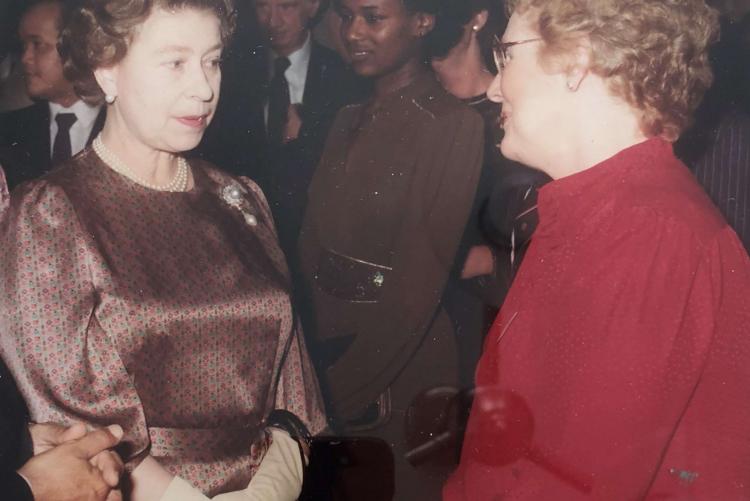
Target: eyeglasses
[[500, 50]]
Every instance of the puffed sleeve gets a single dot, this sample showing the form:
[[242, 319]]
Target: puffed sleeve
[[65, 364], [450, 153], [297, 389]]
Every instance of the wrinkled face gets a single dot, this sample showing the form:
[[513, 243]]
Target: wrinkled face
[[167, 86], [530, 97], [380, 36], [286, 23], [42, 67]]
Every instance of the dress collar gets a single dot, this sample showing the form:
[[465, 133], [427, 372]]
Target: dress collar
[[424, 86], [566, 200]]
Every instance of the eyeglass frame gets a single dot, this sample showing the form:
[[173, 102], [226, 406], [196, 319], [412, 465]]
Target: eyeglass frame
[[500, 50]]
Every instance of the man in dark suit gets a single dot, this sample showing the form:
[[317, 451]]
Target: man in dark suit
[[278, 100], [59, 124]]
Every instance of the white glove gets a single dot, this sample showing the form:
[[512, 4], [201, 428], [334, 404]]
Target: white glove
[[279, 477]]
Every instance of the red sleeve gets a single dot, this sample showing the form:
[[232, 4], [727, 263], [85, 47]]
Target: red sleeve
[[708, 456], [631, 369]]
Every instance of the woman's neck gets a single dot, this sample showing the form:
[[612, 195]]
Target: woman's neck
[[407, 74], [600, 136], [144, 161], [463, 72]]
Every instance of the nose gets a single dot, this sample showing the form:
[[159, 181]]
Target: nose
[[27, 55], [351, 31], [201, 87], [493, 91], [275, 19]]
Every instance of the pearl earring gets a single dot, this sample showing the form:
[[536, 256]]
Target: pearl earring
[[109, 98], [475, 28]]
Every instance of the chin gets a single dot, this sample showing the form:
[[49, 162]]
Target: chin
[[187, 143], [507, 149], [36, 91], [363, 69]]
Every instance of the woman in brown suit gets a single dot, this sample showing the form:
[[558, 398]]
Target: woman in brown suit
[[387, 207]]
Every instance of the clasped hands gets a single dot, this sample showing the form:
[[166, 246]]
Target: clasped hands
[[73, 463]]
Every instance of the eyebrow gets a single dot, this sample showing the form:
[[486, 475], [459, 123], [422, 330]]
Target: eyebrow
[[181, 49]]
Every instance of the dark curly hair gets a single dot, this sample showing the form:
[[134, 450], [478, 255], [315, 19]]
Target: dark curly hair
[[97, 34], [653, 53], [464, 11], [448, 27]]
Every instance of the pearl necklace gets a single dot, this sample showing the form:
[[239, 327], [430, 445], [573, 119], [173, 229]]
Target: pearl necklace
[[178, 184]]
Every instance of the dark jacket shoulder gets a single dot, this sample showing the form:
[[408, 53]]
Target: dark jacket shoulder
[[14, 123]]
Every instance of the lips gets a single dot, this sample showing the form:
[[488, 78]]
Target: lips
[[502, 120], [194, 121], [359, 54]]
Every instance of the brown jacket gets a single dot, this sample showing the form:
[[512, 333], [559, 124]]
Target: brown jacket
[[390, 200]]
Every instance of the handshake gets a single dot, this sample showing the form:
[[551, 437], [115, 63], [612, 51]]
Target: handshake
[[73, 463]]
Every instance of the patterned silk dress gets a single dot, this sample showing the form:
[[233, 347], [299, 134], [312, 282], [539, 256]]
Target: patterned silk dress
[[166, 313]]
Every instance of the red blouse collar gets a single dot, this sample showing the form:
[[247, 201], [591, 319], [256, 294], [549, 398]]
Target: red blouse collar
[[568, 199]]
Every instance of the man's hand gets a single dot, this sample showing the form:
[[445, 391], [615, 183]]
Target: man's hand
[[293, 124], [80, 469], [45, 436], [479, 262]]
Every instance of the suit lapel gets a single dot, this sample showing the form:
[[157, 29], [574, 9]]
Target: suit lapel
[[316, 71], [39, 146]]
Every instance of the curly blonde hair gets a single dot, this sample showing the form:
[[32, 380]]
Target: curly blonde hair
[[653, 53], [97, 34]]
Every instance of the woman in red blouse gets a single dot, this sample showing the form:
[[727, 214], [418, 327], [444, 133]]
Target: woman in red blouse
[[618, 366]]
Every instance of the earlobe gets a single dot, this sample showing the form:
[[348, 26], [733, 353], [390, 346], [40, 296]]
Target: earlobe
[[579, 65], [107, 80], [575, 78], [479, 21], [424, 23]]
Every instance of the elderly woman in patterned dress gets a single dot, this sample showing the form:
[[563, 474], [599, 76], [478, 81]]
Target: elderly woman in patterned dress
[[139, 289]]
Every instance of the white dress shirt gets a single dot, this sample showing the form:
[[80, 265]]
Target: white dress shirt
[[296, 74], [80, 130]]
